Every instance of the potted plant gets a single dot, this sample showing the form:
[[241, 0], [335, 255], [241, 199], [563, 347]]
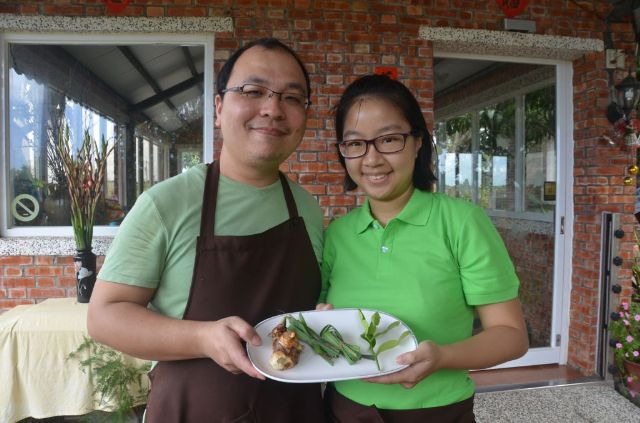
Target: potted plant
[[624, 330], [84, 170]]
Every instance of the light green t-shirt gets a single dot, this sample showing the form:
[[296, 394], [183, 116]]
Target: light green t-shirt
[[155, 245], [429, 266]]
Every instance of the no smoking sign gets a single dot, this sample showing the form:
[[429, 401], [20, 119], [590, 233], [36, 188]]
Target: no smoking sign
[[25, 207]]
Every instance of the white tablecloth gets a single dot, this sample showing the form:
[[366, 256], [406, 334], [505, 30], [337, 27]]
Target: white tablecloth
[[36, 378]]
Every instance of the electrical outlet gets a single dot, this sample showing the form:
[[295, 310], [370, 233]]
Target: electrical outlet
[[614, 59]]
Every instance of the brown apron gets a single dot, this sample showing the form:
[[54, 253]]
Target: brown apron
[[340, 409], [254, 277]]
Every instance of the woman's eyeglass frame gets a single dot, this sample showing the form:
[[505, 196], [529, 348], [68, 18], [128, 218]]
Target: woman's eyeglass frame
[[376, 142]]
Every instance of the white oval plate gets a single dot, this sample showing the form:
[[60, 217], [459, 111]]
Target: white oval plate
[[312, 368]]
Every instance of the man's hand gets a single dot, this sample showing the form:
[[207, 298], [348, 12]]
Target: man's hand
[[118, 317], [223, 344], [324, 307]]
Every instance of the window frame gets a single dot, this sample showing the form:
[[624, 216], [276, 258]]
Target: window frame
[[205, 39], [517, 96]]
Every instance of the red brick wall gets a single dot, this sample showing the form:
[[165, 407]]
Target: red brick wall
[[599, 170], [32, 279], [340, 40]]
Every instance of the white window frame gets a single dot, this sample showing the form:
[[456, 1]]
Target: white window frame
[[204, 39]]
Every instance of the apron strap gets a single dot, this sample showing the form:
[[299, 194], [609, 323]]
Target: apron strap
[[208, 216], [288, 196]]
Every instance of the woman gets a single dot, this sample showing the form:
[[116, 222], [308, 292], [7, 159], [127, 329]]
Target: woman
[[430, 260]]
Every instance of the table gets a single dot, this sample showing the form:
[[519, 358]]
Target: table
[[36, 379]]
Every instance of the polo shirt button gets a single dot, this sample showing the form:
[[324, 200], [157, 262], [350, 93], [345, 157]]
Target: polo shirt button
[[385, 249], [375, 225]]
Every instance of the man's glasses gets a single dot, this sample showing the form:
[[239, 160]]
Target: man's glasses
[[259, 93], [385, 144]]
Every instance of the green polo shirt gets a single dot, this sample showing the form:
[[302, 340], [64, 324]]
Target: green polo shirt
[[429, 266]]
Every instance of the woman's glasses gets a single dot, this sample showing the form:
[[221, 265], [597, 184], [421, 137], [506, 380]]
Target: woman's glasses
[[385, 144], [258, 93]]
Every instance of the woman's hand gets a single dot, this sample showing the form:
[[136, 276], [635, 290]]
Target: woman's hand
[[503, 338], [422, 362]]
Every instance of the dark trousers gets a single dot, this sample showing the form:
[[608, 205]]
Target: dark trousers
[[340, 409]]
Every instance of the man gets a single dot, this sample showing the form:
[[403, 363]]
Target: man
[[190, 305]]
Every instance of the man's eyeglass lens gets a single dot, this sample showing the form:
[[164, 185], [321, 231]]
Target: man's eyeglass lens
[[385, 144], [260, 93]]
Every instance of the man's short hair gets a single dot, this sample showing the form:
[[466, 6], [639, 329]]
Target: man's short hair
[[268, 44]]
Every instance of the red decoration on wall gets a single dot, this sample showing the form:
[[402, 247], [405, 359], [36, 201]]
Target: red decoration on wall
[[390, 71], [116, 6], [512, 8]]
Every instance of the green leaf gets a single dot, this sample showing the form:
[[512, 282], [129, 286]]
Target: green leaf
[[369, 328], [373, 325], [385, 346], [363, 322], [388, 328], [112, 378]]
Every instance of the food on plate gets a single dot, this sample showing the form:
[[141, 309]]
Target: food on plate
[[371, 335], [350, 352], [329, 344], [286, 347]]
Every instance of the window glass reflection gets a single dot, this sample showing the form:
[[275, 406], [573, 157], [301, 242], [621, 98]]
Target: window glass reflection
[[154, 117]]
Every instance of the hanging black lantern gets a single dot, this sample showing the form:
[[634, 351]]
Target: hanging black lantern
[[628, 92]]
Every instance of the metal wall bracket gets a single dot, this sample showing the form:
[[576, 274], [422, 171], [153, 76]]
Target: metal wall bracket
[[519, 25], [614, 58]]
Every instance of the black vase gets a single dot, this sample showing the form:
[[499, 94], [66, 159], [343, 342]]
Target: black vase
[[85, 264]]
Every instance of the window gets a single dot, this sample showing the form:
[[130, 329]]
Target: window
[[502, 155], [143, 96]]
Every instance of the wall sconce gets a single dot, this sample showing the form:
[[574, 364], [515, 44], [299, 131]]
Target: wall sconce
[[626, 130], [627, 94]]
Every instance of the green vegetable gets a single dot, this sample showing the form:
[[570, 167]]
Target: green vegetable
[[333, 337], [311, 338], [330, 345], [370, 335]]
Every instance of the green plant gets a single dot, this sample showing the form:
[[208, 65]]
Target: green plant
[[624, 328], [114, 380], [625, 332], [371, 335], [84, 171]]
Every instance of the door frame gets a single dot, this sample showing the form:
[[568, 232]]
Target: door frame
[[557, 352]]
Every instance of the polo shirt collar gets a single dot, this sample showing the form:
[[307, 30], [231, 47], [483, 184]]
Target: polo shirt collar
[[416, 212]]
